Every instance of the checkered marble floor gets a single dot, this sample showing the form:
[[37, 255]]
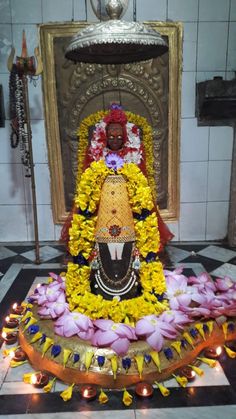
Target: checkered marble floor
[[213, 395]]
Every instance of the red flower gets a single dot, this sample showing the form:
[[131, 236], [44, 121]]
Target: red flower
[[134, 129]]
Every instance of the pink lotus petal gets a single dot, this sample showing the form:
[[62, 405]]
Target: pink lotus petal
[[155, 340], [121, 346], [44, 312], [144, 327], [70, 329], [59, 330], [86, 335], [103, 324], [106, 338], [95, 337], [125, 331], [224, 284], [184, 299]]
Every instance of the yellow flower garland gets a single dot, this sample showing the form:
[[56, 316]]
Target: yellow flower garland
[[147, 138], [82, 242]]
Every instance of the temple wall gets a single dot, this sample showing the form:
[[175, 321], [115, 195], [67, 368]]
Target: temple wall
[[206, 152]]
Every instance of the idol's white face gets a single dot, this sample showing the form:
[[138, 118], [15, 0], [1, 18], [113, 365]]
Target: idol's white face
[[115, 137]]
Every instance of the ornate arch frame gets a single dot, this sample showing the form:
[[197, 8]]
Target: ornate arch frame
[[56, 101]]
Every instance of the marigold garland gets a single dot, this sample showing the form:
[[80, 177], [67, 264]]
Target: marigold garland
[[82, 243]]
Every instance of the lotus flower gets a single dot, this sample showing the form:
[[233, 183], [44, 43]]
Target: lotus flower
[[49, 293], [113, 161], [175, 317], [224, 284], [203, 282], [178, 292], [155, 330], [54, 309], [115, 335], [72, 323], [58, 279]]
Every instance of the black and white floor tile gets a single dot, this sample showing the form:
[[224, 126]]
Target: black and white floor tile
[[213, 395]]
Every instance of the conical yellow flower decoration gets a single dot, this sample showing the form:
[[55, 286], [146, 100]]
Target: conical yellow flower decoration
[[155, 357], [14, 364], [67, 393], [177, 346], [164, 391], [181, 380], [139, 361], [210, 362], [230, 353], [26, 316], [103, 398], [31, 322], [188, 338], [197, 370], [210, 325], [66, 355], [127, 398], [199, 327], [49, 386], [48, 342], [88, 359], [225, 329], [36, 337], [114, 366]]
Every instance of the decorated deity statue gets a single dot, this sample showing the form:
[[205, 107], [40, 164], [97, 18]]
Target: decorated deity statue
[[127, 227], [115, 317]]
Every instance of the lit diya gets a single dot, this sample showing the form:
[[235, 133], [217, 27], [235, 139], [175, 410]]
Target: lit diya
[[17, 308], [9, 338], [39, 379], [11, 323], [213, 353], [188, 373], [19, 355], [89, 392], [144, 390]]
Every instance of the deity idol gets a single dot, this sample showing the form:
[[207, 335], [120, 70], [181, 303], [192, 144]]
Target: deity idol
[[115, 260]]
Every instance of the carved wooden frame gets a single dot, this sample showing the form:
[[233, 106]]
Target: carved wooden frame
[[48, 32]]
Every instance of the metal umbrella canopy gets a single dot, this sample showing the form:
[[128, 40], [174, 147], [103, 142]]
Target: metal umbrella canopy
[[115, 41]]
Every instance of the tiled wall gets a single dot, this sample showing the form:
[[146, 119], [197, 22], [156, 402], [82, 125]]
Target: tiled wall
[[206, 152]]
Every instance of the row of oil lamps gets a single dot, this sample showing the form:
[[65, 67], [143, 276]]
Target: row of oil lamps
[[88, 392]]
